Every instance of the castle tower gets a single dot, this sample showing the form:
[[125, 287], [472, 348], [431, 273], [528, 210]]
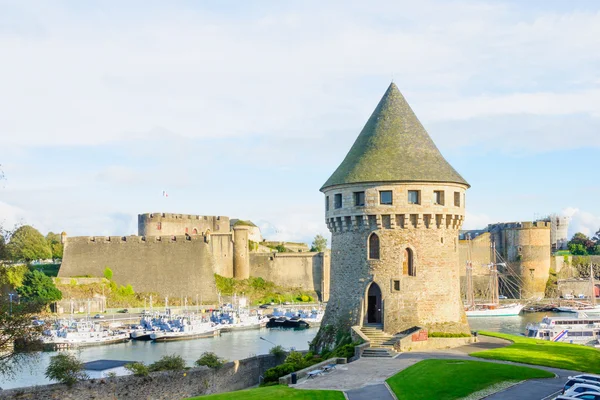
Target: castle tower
[[241, 256], [394, 207]]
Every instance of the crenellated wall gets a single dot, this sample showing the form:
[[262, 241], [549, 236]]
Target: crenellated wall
[[168, 265], [161, 224]]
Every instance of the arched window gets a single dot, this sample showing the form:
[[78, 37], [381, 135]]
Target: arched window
[[408, 263], [374, 247]]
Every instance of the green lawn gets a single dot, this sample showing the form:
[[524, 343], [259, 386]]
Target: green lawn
[[453, 379], [542, 352], [275, 393]]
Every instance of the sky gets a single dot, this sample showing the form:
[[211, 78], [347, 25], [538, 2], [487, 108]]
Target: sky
[[244, 109]]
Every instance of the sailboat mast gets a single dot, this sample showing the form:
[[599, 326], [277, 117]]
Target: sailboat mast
[[470, 292], [494, 277], [593, 298]]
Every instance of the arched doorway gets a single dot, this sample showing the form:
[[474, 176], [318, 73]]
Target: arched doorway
[[374, 304]]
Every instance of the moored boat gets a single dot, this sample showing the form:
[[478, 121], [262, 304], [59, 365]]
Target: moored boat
[[580, 329]]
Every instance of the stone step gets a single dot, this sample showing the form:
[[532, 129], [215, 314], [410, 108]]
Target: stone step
[[378, 352]]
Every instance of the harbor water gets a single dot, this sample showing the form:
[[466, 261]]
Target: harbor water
[[231, 346]]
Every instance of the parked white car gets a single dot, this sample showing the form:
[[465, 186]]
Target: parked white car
[[587, 377], [580, 396], [581, 388]]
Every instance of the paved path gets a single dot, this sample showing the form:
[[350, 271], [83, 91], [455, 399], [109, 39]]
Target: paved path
[[364, 379], [371, 392]]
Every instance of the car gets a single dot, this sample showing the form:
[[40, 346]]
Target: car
[[502, 297], [581, 388], [587, 377], [581, 396], [264, 306], [146, 312], [98, 316], [574, 380], [123, 311]]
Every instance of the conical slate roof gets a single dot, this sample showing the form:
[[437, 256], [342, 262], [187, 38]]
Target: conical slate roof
[[394, 147]]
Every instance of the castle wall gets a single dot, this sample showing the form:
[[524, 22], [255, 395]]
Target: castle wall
[[309, 271], [221, 246], [480, 258], [167, 224], [170, 266], [241, 260]]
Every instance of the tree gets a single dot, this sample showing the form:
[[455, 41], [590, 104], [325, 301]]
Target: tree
[[39, 288], [168, 363], [211, 360], [15, 330], [28, 244], [56, 246], [319, 244], [3, 255], [577, 249], [108, 274], [585, 242], [65, 368]]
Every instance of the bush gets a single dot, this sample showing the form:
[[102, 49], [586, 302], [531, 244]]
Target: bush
[[345, 351], [168, 363], [295, 358], [138, 368], [278, 351], [108, 274], [65, 368], [210, 360], [273, 374]]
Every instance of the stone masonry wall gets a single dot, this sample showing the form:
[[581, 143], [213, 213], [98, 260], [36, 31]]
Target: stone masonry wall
[[170, 266], [304, 270], [165, 224], [232, 376]]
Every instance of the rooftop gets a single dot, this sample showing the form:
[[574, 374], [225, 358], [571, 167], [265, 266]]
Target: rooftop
[[394, 147], [101, 365]]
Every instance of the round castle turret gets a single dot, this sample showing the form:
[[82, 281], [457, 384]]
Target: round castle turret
[[394, 207]]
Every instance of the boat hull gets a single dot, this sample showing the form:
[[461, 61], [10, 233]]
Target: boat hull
[[497, 312], [174, 336], [68, 344]]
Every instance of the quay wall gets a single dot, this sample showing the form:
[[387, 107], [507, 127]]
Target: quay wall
[[236, 375], [309, 271], [170, 266]]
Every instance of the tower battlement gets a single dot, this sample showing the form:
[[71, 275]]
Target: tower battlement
[[161, 224]]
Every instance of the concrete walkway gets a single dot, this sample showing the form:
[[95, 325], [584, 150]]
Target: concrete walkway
[[365, 378]]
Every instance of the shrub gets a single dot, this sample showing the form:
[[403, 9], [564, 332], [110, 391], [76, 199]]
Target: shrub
[[168, 363], [278, 351], [210, 360], [273, 374], [65, 368], [295, 358], [108, 274], [138, 368]]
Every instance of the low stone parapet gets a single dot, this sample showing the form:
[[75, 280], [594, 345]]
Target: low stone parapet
[[287, 379]]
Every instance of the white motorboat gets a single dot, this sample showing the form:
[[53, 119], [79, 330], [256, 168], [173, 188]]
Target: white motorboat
[[580, 329], [184, 329], [494, 310], [79, 334]]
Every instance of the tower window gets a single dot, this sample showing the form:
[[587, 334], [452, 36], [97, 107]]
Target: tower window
[[159, 226], [396, 285], [385, 197], [438, 197], [326, 203], [337, 200], [457, 199], [413, 197], [374, 247], [408, 263], [359, 199]]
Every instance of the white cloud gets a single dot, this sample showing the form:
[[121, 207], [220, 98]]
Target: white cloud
[[11, 216], [476, 221], [582, 221]]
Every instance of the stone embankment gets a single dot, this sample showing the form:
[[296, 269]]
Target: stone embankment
[[165, 385]]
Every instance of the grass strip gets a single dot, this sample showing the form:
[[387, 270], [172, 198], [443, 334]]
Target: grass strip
[[543, 352], [275, 393], [455, 379]]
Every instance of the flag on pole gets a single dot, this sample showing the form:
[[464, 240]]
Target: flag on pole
[[165, 194]]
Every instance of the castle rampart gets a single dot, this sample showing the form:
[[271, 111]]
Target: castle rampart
[[169, 265], [160, 224]]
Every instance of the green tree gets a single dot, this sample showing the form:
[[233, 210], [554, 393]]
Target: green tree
[[210, 360], [319, 244], [577, 249], [3, 255], [56, 246], [581, 239], [16, 328], [108, 274], [65, 368], [39, 288], [28, 244]]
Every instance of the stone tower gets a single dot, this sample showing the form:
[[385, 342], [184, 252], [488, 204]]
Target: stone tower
[[394, 207]]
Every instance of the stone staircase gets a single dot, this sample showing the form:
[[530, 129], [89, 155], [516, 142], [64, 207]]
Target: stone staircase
[[382, 344]]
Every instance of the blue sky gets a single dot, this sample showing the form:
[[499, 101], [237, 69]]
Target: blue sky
[[245, 109]]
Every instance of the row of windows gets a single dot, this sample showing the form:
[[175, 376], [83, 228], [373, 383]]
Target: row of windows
[[386, 198], [408, 265]]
